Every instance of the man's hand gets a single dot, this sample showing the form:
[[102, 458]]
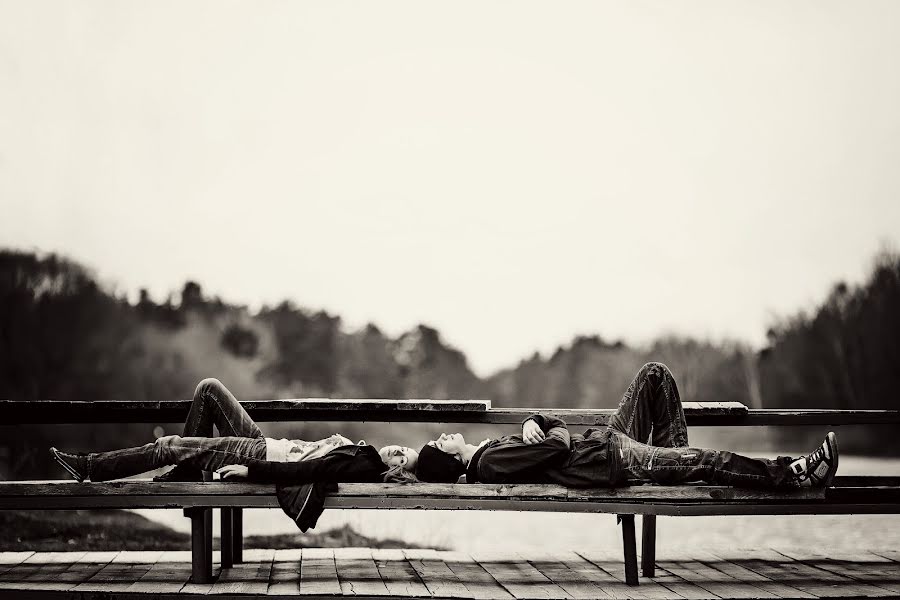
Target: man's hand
[[233, 472], [531, 432]]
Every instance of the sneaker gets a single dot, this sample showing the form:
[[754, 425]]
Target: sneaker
[[818, 469], [75, 464]]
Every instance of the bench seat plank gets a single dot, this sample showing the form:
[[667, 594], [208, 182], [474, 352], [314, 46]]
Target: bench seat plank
[[34, 491]]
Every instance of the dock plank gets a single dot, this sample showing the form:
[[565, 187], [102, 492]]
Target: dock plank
[[284, 580], [439, 578], [744, 574], [119, 573], [519, 577], [318, 574], [649, 589], [398, 575], [248, 577], [568, 572], [479, 582], [860, 566], [357, 572], [168, 575], [817, 582], [766, 574], [38, 569]]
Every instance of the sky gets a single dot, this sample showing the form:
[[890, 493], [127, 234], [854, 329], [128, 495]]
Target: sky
[[512, 173]]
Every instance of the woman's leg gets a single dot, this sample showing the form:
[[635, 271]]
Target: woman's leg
[[214, 404], [650, 410], [195, 453]]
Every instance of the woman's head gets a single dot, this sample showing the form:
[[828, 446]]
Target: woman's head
[[441, 460], [399, 456]]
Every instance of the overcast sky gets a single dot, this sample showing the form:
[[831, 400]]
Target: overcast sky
[[512, 173]]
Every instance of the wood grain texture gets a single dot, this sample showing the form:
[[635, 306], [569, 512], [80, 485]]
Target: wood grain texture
[[872, 569], [519, 577], [34, 491], [318, 574], [398, 575], [814, 581], [688, 573], [649, 589], [741, 573], [440, 580], [357, 573], [169, 574], [284, 580]]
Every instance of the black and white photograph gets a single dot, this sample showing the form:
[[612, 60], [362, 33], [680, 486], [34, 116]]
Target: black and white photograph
[[494, 300]]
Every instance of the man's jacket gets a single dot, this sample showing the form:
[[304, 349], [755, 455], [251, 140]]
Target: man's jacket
[[301, 487], [572, 460]]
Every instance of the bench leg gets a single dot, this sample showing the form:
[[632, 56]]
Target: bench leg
[[237, 539], [201, 544], [226, 542], [648, 545], [630, 545]]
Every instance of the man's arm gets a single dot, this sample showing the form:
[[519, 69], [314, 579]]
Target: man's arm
[[516, 461]]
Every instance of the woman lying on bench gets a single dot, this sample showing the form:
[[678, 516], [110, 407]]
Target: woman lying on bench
[[241, 452], [619, 454]]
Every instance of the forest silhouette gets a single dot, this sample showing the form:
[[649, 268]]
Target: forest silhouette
[[64, 336]]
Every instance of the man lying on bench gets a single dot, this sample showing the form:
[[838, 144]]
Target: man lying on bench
[[619, 454]]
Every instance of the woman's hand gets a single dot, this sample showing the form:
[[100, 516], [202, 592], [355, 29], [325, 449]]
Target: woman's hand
[[531, 432], [233, 472]]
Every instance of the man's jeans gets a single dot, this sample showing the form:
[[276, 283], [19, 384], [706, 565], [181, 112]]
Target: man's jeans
[[196, 449], [650, 437]]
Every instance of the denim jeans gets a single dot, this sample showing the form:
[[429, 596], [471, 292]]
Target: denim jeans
[[650, 437], [241, 440]]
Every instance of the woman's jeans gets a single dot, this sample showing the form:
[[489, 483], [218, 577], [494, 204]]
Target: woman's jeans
[[650, 436], [195, 449]]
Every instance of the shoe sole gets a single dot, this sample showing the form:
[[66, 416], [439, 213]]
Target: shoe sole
[[831, 440], [75, 474]]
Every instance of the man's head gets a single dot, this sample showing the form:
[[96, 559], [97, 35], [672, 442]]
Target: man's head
[[399, 456], [440, 460]]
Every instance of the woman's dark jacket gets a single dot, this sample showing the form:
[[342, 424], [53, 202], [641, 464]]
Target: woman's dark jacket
[[301, 487], [572, 460]]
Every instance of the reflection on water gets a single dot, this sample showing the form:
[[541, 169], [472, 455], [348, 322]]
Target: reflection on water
[[530, 531]]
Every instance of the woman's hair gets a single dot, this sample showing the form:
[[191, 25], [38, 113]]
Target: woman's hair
[[399, 474]]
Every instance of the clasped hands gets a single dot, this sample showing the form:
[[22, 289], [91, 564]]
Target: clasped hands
[[532, 432]]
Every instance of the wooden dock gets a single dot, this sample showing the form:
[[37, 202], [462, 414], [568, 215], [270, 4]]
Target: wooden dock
[[369, 573]]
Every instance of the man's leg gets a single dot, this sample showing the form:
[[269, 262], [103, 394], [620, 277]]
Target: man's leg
[[651, 411], [199, 453], [672, 466]]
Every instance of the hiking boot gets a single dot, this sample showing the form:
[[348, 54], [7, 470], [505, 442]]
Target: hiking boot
[[818, 469], [75, 464], [179, 473]]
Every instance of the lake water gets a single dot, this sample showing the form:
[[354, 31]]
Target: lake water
[[531, 531]]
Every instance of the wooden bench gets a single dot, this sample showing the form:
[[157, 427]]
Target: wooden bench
[[851, 495]]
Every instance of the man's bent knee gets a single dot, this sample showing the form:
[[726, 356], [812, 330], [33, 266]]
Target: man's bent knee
[[656, 368]]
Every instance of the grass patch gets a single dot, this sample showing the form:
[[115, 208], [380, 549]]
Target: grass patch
[[95, 530]]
